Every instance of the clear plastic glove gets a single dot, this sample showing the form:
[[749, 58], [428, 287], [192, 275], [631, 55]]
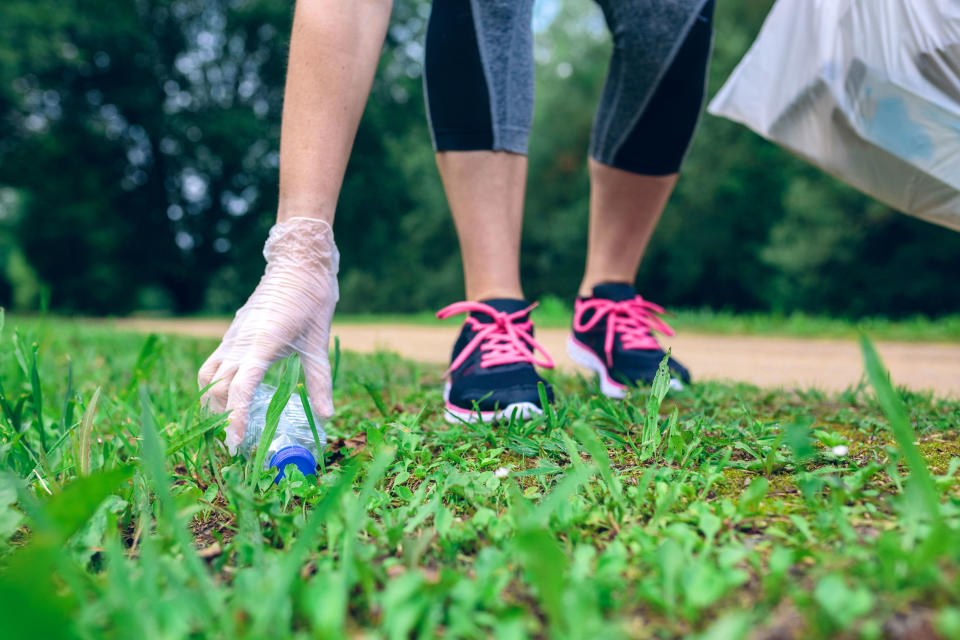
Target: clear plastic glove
[[289, 312]]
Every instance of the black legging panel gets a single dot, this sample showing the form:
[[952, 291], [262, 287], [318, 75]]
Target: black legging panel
[[478, 79]]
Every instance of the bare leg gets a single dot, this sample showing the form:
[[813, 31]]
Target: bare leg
[[334, 49], [485, 190], [633, 171], [624, 210]]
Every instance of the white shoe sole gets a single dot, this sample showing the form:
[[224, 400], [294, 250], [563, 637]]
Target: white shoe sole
[[609, 387], [454, 414]]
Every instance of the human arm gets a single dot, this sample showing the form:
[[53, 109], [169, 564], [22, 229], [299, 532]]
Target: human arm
[[334, 49]]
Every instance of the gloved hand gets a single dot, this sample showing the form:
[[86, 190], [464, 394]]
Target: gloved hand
[[289, 312]]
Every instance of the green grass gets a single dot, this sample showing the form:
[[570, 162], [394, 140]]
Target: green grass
[[716, 513], [555, 313]]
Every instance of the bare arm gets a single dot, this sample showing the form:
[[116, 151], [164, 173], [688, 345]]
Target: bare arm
[[334, 51]]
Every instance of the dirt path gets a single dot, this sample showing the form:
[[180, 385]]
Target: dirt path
[[830, 365]]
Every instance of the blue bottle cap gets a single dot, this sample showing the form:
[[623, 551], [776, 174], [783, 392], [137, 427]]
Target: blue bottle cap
[[293, 455]]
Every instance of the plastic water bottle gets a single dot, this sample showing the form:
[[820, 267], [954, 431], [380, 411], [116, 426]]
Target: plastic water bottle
[[293, 441]]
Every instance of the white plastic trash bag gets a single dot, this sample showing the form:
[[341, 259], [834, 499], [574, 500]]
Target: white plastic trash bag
[[868, 90]]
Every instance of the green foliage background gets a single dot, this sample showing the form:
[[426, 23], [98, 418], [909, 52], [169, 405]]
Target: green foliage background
[[138, 159]]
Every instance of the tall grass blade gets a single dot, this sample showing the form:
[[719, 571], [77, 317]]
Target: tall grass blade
[[546, 567], [212, 423], [277, 404], [86, 431], [559, 495], [66, 511], [308, 411], [548, 410], [150, 352], [152, 454], [31, 606], [19, 355], [66, 416], [45, 293], [541, 556], [37, 397], [893, 408], [336, 362], [651, 422], [154, 469], [13, 418], [601, 458], [374, 392]]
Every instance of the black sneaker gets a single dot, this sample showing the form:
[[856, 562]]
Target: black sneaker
[[491, 374], [612, 335]]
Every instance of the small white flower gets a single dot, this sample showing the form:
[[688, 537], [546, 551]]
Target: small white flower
[[502, 472], [840, 450]]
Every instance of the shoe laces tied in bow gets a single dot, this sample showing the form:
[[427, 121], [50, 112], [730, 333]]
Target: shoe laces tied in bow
[[505, 340], [633, 320]]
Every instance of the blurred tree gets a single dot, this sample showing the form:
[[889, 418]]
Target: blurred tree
[[141, 135], [140, 143]]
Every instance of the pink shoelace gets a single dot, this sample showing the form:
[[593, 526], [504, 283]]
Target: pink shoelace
[[632, 320], [503, 341]]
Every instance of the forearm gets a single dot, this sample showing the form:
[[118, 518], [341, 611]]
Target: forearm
[[334, 50]]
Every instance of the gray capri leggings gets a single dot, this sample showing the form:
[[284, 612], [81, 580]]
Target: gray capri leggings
[[478, 79]]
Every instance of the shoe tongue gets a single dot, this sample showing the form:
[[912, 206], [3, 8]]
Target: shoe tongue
[[506, 305], [616, 291]]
